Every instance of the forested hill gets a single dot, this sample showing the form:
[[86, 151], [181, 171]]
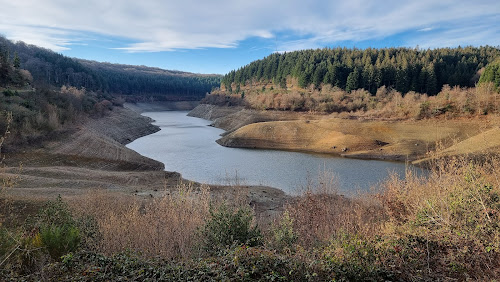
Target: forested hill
[[149, 82], [405, 69], [50, 69]]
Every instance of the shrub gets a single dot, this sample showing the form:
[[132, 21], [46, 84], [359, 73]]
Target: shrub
[[448, 221], [9, 93], [284, 235], [58, 229], [60, 240], [353, 258], [227, 227]]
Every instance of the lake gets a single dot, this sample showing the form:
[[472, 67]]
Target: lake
[[187, 145]]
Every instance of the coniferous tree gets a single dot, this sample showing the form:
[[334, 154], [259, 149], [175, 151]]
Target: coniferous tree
[[404, 69], [352, 81], [17, 61], [492, 74]]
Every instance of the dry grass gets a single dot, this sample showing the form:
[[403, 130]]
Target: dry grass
[[165, 227], [455, 211], [320, 213], [387, 103], [442, 226]]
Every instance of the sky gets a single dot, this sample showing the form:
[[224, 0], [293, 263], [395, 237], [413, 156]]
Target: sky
[[217, 36]]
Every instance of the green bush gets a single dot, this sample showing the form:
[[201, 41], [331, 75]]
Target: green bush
[[58, 229], [284, 235], [228, 227], [60, 240], [9, 93], [353, 258]]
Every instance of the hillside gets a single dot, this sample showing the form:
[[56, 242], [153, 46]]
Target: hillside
[[141, 83], [43, 93], [50, 69], [404, 69]]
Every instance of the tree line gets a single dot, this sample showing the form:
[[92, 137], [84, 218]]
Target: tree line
[[403, 69], [492, 74], [146, 82]]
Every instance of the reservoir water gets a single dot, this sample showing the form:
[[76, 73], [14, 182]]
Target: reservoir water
[[187, 145]]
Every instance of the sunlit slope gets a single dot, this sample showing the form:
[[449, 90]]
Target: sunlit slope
[[409, 140]]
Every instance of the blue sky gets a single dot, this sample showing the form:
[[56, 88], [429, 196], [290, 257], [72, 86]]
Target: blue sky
[[219, 35]]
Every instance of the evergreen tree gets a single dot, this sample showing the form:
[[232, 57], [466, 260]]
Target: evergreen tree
[[492, 74], [352, 82], [4, 63], [401, 68], [17, 61], [431, 82], [318, 76]]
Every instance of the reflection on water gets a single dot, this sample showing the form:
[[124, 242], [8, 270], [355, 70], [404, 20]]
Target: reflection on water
[[187, 145]]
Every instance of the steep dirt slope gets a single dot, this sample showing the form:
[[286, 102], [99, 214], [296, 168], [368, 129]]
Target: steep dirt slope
[[104, 139]]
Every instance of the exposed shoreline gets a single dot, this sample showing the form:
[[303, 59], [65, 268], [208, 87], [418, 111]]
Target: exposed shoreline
[[93, 155], [407, 140]]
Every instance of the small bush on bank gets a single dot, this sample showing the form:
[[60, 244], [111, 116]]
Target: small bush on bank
[[60, 240], [227, 227], [284, 235], [57, 228], [52, 232]]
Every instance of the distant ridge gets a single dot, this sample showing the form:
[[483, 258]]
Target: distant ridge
[[50, 69]]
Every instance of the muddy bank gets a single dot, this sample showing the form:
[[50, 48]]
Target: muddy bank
[[408, 140], [104, 138]]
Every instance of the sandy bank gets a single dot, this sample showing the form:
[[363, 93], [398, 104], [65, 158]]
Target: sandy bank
[[371, 139]]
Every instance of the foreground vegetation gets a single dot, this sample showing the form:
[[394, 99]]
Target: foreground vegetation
[[443, 226]]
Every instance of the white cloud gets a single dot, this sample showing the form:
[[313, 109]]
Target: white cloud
[[471, 34], [190, 24], [426, 29]]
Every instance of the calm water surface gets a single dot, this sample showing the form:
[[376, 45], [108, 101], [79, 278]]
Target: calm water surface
[[187, 145]]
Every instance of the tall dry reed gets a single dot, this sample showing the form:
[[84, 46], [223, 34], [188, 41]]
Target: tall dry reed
[[165, 226], [320, 213]]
